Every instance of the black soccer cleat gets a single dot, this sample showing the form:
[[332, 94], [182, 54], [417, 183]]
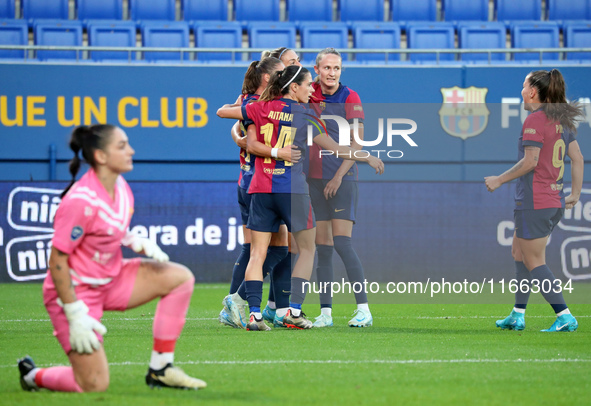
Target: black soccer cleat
[[172, 377], [26, 365]]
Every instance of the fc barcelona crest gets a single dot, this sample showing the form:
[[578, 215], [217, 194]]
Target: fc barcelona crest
[[322, 105], [464, 113]]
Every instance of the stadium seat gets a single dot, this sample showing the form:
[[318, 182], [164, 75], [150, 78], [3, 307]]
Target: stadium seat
[[55, 9], [309, 10], [569, 9], [377, 36], [7, 9], [111, 34], [416, 10], [256, 10], [216, 10], [165, 34], [219, 34], [152, 9], [578, 35], [60, 33], [365, 10], [437, 35], [323, 35], [13, 32], [515, 10], [542, 34], [100, 9], [483, 35], [271, 36], [462, 10]]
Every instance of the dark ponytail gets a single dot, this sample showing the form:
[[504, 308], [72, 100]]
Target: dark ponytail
[[254, 74], [281, 81], [552, 93], [87, 139]]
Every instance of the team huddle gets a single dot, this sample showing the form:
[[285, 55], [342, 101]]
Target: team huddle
[[296, 203]]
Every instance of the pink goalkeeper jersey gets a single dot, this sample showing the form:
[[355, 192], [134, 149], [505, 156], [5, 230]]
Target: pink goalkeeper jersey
[[89, 227]]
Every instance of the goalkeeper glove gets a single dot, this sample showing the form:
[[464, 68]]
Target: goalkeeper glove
[[82, 327], [150, 249]]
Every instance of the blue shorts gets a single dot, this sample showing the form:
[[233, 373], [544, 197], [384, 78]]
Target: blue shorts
[[342, 206], [244, 203], [269, 210], [532, 224]]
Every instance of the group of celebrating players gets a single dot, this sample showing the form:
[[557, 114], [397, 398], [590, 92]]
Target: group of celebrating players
[[287, 191]]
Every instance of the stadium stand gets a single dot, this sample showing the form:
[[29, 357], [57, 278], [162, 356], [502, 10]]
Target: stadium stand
[[218, 34], [515, 10], [462, 10], [416, 10], [111, 34], [13, 32], [100, 9], [216, 10], [165, 34], [366, 10], [152, 9], [271, 36], [7, 9], [429, 36], [309, 10], [322, 35], [569, 9], [55, 9], [543, 34], [60, 33], [368, 35], [485, 35], [578, 35], [256, 10]]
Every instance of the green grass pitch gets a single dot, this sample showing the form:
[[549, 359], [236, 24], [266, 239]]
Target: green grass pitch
[[419, 354]]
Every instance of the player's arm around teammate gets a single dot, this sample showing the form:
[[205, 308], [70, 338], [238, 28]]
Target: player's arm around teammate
[[88, 275]]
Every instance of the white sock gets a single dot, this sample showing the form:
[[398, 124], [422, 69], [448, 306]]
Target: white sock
[[271, 305], [281, 312], [257, 315], [565, 311], [363, 306], [517, 310], [295, 312], [30, 377], [327, 311], [160, 359]]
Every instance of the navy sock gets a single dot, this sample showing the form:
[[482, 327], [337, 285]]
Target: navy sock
[[324, 274], [543, 273], [240, 268], [352, 263], [242, 290], [254, 295], [274, 256], [298, 291], [281, 282], [522, 296]]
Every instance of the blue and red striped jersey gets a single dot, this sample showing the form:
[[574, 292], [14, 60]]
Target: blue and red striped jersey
[[246, 160]]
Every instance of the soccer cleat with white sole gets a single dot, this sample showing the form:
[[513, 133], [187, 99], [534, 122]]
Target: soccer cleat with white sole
[[237, 309], [515, 321], [25, 366], [269, 314], [323, 320], [226, 318], [300, 322], [565, 323], [256, 325], [172, 377], [361, 318]]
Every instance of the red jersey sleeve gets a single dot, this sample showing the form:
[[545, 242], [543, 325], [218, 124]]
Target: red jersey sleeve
[[533, 130], [353, 107], [72, 221]]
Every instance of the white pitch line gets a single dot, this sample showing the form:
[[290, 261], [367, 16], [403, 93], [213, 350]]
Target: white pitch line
[[352, 362]]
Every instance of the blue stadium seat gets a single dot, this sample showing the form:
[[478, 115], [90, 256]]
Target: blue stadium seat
[[415, 10], [569, 9], [437, 35], [377, 36], [55, 9], [309, 10], [13, 32], [271, 36], [165, 34], [515, 10], [219, 34], [60, 33], [152, 10], [103, 33], [7, 9], [216, 10], [578, 35], [323, 35], [542, 34], [361, 10], [462, 10], [256, 10], [483, 35], [100, 9]]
